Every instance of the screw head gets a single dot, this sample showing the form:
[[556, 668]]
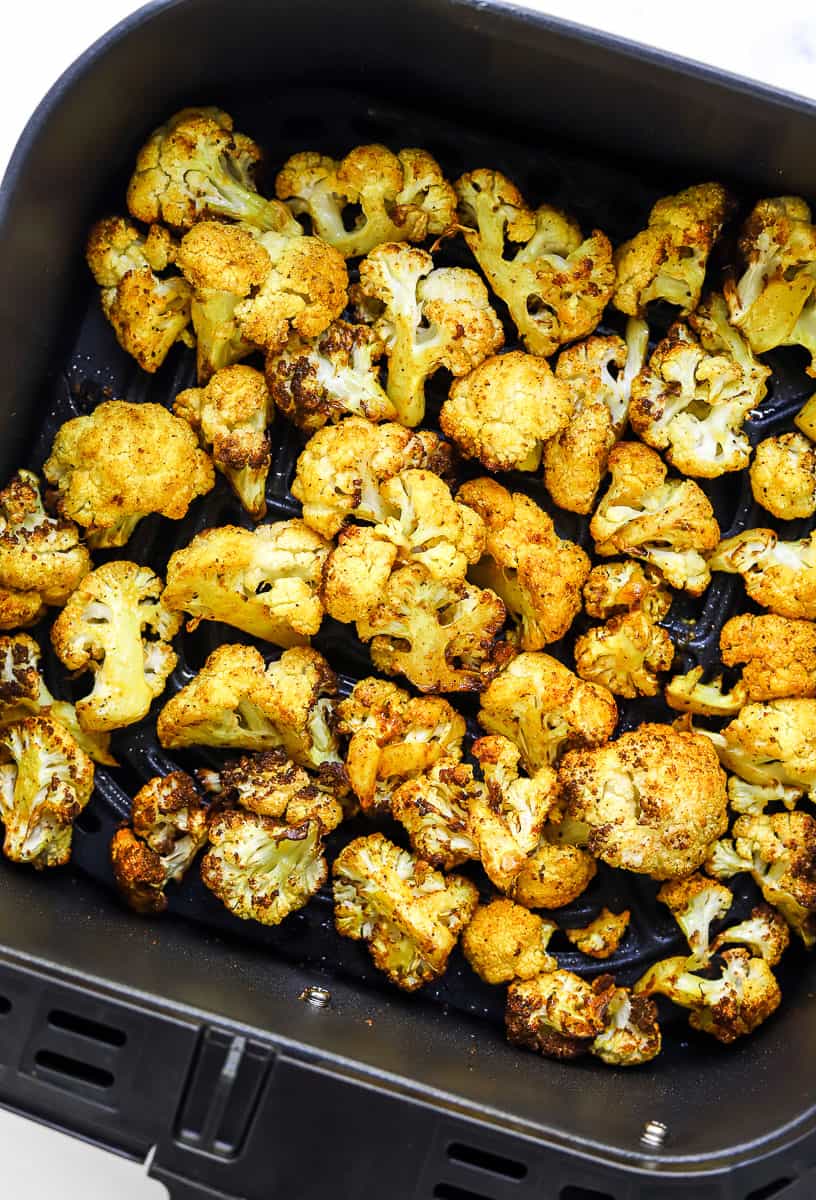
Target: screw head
[[317, 997], [654, 1134]]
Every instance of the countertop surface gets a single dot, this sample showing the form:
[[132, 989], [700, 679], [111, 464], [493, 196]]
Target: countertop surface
[[774, 44]]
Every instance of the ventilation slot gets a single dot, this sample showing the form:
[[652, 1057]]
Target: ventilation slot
[[483, 1160], [95, 1031], [768, 1190], [582, 1193], [5, 1006], [72, 1068]]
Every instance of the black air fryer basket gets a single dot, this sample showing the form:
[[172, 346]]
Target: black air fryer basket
[[189, 1035]]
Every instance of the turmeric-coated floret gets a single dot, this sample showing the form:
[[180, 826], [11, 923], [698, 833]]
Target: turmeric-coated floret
[[765, 932], [696, 903], [805, 419], [399, 197], [602, 936], [426, 318], [409, 914], [272, 785], [435, 809], [667, 260], [778, 575], [626, 655], [783, 476], [621, 587], [505, 941], [772, 742], [690, 693], [231, 415], [558, 1013], [557, 283], [504, 411], [778, 655], [555, 874], [509, 817], [631, 1034]]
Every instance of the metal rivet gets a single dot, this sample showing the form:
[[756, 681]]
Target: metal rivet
[[654, 1134], [318, 997]]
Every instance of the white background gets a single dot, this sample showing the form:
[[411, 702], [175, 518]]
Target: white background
[[775, 43]]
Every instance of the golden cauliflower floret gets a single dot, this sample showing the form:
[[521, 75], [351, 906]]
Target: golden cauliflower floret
[[631, 1034], [46, 780], [805, 419], [41, 557], [356, 572], [426, 318], [341, 468], [668, 523], [598, 374], [621, 587], [513, 811], [778, 655], [393, 737], [409, 914], [555, 874], [778, 575], [774, 742], [122, 462], [695, 903], [400, 197], [557, 283], [272, 785], [505, 941], [231, 415], [436, 811], [542, 707], [505, 410], [667, 260], [654, 799], [602, 936], [538, 575], [264, 581], [690, 693], [237, 702], [783, 476], [117, 626], [626, 655], [765, 932], [558, 1013], [780, 852]]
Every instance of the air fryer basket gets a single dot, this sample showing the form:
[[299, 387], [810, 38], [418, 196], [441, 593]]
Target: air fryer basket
[[602, 188]]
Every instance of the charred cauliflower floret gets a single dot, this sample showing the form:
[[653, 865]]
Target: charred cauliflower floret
[[602, 936], [400, 197], [505, 941], [435, 809], [317, 380], [696, 903], [505, 410], [41, 557], [544, 709], [230, 416], [117, 626], [668, 523], [45, 782], [557, 283], [621, 587], [122, 462], [805, 419], [728, 1007], [264, 581], [341, 468], [409, 914], [777, 655], [631, 1034], [149, 314], [538, 575], [272, 785], [778, 575], [168, 827], [426, 318], [558, 1014], [654, 799], [771, 743], [690, 693], [783, 476], [765, 933], [238, 703], [626, 655], [667, 260], [393, 737], [699, 387], [555, 874], [598, 374]]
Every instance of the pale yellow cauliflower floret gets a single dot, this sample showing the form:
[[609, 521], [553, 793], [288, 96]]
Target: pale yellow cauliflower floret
[[621, 587], [778, 575], [779, 655], [769, 743], [783, 476], [602, 936], [505, 941], [805, 419], [626, 655]]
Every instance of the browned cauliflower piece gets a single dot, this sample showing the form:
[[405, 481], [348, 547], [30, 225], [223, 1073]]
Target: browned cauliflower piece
[[41, 557], [783, 476], [426, 318], [626, 655], [272, 785], [654, 799], [765, 932], [409, 914], [557, 283], [435, 809], [122, 462], [602, 936], [231, 415], [805, 419], [555, 874], [689, 693], [621, 587], [505, 410], [667, 260], [538, 575], [695, 903], [668, 523], [505, 941], [779, 655], [771, 743], [598, 374], [400, 197], [558, 1014], [778, 575], [631, 1034]]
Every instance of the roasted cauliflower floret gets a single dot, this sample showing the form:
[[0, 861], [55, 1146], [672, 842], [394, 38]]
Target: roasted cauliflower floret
[[271, 785], [231, 415], [41, 557], [342, 466], [667, 260], [626, 655], [538, 575], [426, 319], [557, 283], [544, 709], [555, 874], [696, 903], [778, 575], [668, 523], [557, 1013], [505, 941], [654, 799], [778, 655], [689, 693], [264, 581], [393, 737], [598, 374], [631, 1035], [46, 780], [771, 743], [765, 933], [122, 462], [168, 827], [621, 587], [409, 914], [505, 410], [602, 936], [401, 197], [436, 811], [754, 798], [429, 527], [117, 626], [238, 703], [805, 419], [783, 476]]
